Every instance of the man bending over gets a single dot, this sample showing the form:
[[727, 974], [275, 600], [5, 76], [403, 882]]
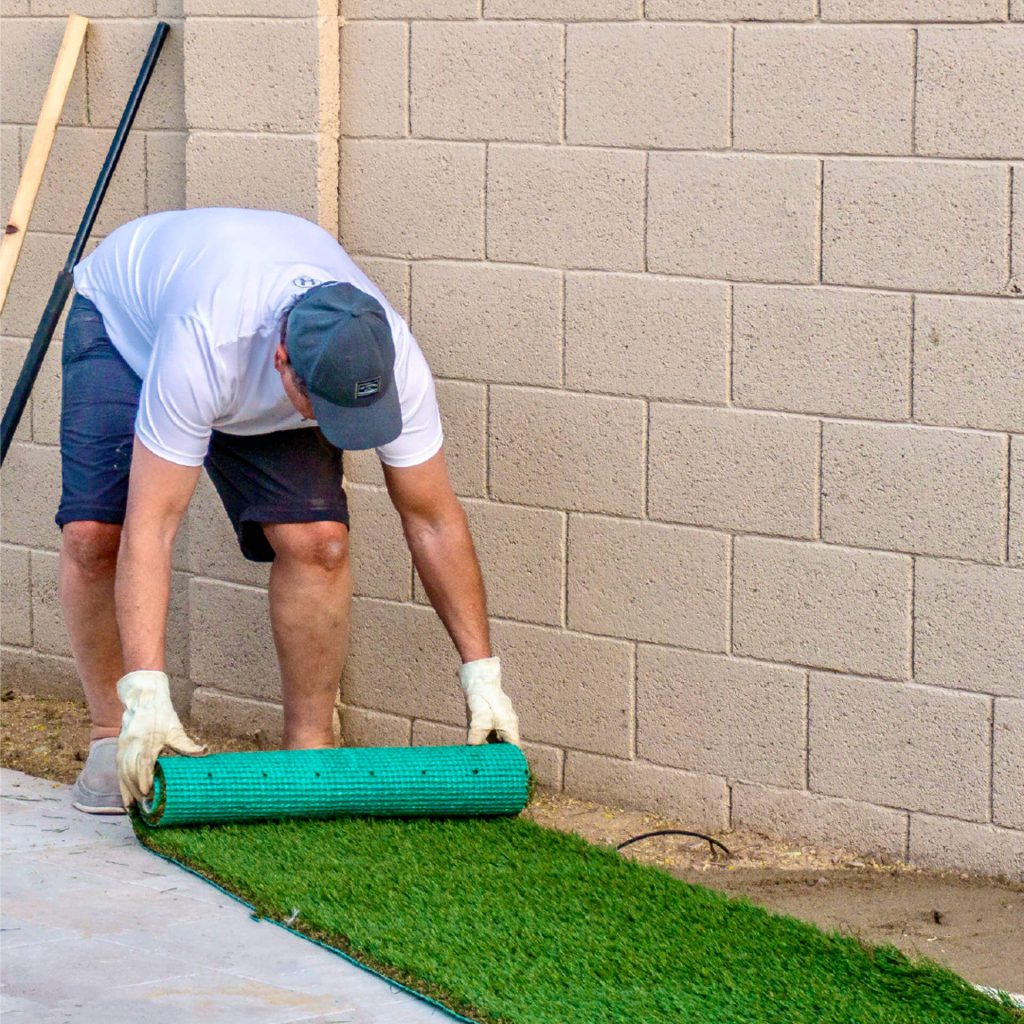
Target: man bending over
[[247, 342]]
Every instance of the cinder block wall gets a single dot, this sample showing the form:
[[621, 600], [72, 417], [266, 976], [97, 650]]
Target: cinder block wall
[[724, 301]]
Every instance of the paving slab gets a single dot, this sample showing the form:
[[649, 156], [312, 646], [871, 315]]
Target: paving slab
[[95, 929]]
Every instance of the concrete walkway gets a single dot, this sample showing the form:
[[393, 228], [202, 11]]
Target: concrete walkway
[[96, 930]]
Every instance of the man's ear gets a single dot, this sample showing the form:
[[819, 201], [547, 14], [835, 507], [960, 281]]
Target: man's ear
[[280, 357]]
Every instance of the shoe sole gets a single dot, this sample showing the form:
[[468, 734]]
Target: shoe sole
[[97, 810]]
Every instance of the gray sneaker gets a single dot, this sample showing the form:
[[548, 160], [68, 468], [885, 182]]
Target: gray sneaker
[[96, 790]]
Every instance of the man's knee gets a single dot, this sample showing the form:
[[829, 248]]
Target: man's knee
[[91, 547], [322, 545]]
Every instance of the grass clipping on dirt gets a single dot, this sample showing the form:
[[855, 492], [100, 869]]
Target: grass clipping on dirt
[[506, 922]]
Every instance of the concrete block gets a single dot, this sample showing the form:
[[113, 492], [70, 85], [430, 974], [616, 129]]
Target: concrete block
[[95, 8], [257, 75], [918, 489], [363, 467], [363, 728], [699, 800], [112, 74], [31, 493], [731, 10], [732, 469], [521, 552], [720, 716], [16, 597], [75, 161], [228, 714], [46, 398], [254, 8], [811, 604], [212, 547], [924, 225], [901, 745], [737, 216], [400, 660], [811, 818], [1008, 764], [464, 419], [381, 564], [564, 10], [567, 688], [655, 337], [392, 278], [1016, 531], [912, 10], [257, 171], [434, 9], [967, 626], [545, 762], [12, 357], [969, 84], [374, 78], [822, 350], [487, 80], [231, 647], [489, 323], [10, 163], [44, 675], [165, 171], [42, 256], [626, 85], [592, 463], [824, 89], [412, 198], [573, 207], [969, 362], [646, 581], [49, 634], [952, 845], [28, 49]]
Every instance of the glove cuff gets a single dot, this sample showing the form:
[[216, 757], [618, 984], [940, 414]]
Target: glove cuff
[[485, 673], [135, 687]]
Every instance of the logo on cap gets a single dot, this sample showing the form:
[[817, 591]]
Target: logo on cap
[[305, 282], [365, 388]]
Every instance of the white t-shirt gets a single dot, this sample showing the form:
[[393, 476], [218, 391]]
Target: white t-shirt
[[193, 300]]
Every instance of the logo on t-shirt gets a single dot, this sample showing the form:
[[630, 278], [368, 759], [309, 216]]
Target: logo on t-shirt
[[365, 388]]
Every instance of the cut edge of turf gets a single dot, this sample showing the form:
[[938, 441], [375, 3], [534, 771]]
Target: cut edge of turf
[[441, 998]]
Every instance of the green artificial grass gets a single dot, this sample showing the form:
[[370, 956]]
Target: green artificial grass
[[506, 922]]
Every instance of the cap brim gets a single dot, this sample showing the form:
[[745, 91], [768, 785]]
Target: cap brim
[[356, 428]]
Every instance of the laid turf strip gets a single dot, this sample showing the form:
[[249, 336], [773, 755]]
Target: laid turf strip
[[506, 922]]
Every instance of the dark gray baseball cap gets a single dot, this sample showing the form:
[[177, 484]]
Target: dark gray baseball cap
[[339, 341]]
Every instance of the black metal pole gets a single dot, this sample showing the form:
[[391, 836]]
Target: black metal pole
[[62, 287]]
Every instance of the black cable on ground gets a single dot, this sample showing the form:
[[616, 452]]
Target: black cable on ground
[[676, 832]]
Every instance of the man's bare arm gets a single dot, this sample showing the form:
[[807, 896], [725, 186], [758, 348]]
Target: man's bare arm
[[442, 550], [158, 495]]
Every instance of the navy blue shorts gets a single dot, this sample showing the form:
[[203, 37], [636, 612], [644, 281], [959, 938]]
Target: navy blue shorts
[[289, 476]]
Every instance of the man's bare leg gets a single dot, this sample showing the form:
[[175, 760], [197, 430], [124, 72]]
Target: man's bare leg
[[88, 562], [310, 604]]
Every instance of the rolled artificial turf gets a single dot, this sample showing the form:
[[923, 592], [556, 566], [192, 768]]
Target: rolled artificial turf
[[505, 922], [407, 781]]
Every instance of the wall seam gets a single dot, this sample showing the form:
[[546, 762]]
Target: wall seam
[[807, 731], [1009, 493], [913, 95]]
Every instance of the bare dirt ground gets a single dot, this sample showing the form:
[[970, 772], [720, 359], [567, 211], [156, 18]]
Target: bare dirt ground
[[973, 925]]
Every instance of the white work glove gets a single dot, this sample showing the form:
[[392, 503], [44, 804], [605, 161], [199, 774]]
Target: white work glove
[[489, 706], [148, 725]]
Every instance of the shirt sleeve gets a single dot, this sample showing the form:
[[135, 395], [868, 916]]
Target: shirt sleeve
[[181, 395], [421, 435]]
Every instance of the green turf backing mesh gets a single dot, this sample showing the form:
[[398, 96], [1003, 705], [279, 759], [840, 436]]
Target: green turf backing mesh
[[506, 922], [386, 781]]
